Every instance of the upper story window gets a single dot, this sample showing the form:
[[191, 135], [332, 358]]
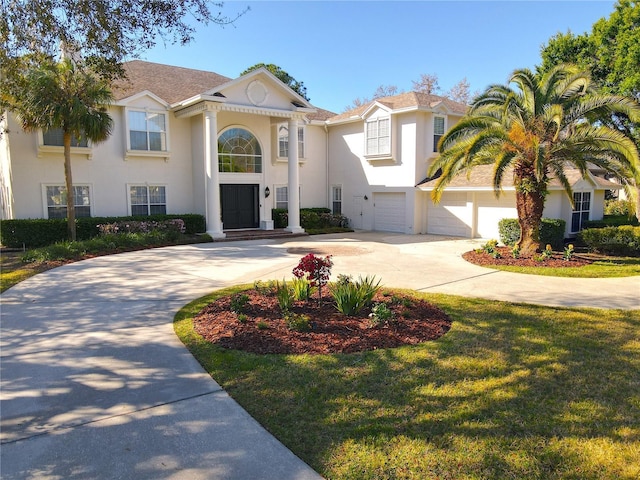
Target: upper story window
[[283, 141], [378, 136], [55, 138], [56, 196], [147, 131], [438, 131], [239, 152]]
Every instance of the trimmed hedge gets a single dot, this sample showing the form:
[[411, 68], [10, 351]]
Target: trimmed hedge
[[310, 218], [41, 232], [623, 240], [551, 232], [611, 221]]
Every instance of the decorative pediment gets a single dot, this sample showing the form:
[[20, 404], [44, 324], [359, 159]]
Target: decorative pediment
[[145, 99]]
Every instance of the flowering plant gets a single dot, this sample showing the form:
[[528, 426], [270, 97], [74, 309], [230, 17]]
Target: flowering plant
[[316, 270]]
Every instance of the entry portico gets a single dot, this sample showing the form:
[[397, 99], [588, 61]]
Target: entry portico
[[235, 152]]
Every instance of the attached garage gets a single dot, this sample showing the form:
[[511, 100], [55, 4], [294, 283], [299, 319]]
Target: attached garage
[[452, 216], [389, 212], [491, 210]]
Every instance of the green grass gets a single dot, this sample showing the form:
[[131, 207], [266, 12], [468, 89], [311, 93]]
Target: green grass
[[512, 391], [606, 267]]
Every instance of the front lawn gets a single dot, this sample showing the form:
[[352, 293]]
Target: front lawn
[[602, 267], [511, 391]]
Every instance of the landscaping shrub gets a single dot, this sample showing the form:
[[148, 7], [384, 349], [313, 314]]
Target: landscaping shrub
[[551, 232], [310, 218], [618, 208], [623, 240], [611, 221], [32, 233]]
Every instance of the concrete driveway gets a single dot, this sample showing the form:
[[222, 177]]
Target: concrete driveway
[[95, 384]]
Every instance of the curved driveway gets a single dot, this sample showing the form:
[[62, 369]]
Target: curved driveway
[[95, 384]]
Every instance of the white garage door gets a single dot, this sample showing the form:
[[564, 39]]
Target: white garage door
[[389, 212], [452, 216], [491, 210]]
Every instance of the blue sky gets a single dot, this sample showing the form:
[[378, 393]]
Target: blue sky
[[346, 49]]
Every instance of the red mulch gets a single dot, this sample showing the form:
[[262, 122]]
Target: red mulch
[[415, 321], [484, 259]]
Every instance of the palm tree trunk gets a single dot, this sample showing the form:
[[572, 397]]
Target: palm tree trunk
[[71, 211], [530, 206]]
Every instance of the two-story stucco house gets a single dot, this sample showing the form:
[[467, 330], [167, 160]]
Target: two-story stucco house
[[190, 141]]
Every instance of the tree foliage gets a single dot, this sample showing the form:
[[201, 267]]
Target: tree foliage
[[106, 31], [535, 132], [283, 76], [63, 95]]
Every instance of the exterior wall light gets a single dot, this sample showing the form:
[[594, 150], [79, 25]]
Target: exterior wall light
[[267, 192]]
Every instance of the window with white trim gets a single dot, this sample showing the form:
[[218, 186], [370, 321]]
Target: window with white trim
[[55, 138], [147, 131], [283, 140], [57, 201], [378, 136], [148, 199], [336, 199], [581, 209], [282, 197], [438, 131]]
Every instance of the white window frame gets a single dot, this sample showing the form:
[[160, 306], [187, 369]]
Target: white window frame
[[282, 142], [579, 210], [336, 197], [284, 186], [59, 149], [45, 197], [147, 153], [439, 135], [130, 204], [377, 151]]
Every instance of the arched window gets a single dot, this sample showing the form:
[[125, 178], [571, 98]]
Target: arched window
[[239, 152]]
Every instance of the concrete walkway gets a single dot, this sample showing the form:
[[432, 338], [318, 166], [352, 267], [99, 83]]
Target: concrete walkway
[[95, 384]]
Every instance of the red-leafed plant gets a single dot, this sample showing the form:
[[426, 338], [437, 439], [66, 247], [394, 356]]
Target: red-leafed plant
[[316, 270]]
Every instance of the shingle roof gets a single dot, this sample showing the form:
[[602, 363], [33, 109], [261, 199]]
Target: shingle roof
[[482, 177], [170, 83], [405, 100], [173, 84]]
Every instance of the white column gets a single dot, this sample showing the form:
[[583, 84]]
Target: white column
[[294, 180], [212, 175]]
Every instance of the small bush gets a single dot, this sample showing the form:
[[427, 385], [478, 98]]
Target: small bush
[[239, 303], [380, 315], [242, 318], [611, 221], [267, 289], [298, 322], [490, 246], [624, 240], [551, 232], [310, 218], [262, 325], [622, 208]]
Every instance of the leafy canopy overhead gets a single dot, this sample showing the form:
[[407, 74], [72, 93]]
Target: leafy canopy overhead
[[283, 76], [105, 31]]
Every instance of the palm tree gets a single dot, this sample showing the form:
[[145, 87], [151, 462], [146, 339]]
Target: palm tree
[[63, 95], [550, 123]]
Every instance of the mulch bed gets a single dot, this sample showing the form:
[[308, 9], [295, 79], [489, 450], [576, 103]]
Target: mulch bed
[[416, 321], [484, 259]]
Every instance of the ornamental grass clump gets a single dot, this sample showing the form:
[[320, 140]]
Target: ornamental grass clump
[[351, 297], [284, 295]]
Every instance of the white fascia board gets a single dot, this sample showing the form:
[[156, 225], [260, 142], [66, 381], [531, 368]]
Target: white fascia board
[[372, 107], [275, 80], [198, 98], [467, 189], [123, 102]]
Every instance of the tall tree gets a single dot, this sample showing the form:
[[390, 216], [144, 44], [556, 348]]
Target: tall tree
[[460, 92], [427, 83], [283, 76], [62, 95], [549, 123], [380, 92], [611, 51]]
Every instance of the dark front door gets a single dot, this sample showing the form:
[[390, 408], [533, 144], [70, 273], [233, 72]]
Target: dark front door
[[239, 206]]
